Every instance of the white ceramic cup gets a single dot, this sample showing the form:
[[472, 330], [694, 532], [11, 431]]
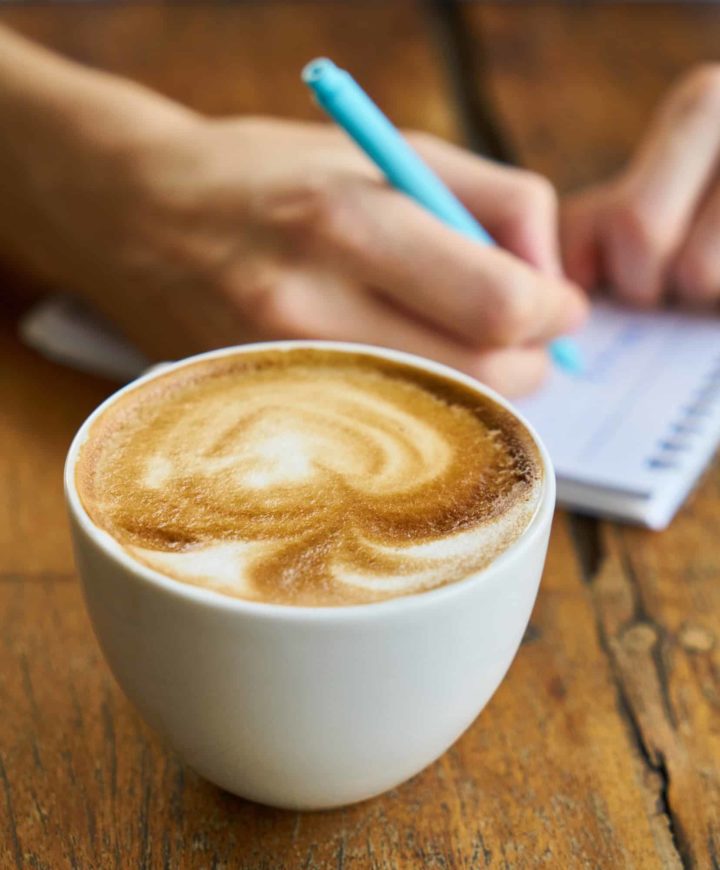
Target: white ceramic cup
[[308, 707]]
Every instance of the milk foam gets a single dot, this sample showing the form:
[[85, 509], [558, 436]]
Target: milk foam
[[309, 477]]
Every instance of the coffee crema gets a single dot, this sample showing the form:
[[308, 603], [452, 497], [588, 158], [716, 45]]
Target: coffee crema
[[309, 476]]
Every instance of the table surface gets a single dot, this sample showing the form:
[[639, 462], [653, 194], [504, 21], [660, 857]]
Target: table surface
[[602, 746]]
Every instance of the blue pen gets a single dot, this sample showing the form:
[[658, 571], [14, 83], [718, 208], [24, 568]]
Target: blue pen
[[350, 107]]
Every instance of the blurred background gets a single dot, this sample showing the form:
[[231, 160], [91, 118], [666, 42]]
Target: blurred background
[[564, 88]]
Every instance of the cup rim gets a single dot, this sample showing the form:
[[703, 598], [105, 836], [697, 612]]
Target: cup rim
[[209, 598]]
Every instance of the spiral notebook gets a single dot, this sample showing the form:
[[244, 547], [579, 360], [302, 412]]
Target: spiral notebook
[[629, 437]]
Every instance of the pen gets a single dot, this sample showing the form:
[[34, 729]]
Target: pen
[[352, 109]]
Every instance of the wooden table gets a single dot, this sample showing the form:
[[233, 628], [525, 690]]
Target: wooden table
[[602, 746]]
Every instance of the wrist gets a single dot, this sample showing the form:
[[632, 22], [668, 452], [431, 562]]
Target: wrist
[[66, 134], [44, 96]]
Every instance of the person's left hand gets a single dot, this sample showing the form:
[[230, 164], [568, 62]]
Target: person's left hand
[[653, 232]]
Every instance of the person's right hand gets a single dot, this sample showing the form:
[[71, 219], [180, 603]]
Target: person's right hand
[[651, 233], [193, 233]]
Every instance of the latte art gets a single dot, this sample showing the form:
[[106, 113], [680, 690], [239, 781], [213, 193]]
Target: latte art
[[286, 434], [309, 476]]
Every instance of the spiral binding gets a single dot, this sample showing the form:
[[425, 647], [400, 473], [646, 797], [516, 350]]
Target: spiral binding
[[690, 424]]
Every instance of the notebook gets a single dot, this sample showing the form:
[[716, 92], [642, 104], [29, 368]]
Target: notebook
[[629, 437]]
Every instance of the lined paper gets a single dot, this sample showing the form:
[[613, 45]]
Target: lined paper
[[647, 405]]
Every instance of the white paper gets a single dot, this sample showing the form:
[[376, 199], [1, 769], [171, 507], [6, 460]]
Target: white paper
[[644, 416], [67, 331]]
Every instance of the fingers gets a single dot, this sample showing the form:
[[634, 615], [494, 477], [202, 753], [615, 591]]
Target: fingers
[[325, 307], [579, 231], [696, 271], [517, 207], [514, 372], [658, 196], [479, 295]]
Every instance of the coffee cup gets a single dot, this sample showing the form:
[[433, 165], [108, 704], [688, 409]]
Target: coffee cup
[[308, 707]]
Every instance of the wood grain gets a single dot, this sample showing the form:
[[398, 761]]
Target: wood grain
[[573, 85], [553, 773], [657, 596]]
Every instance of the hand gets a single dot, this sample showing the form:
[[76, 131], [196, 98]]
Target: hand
[[652, 232], [193, 233]]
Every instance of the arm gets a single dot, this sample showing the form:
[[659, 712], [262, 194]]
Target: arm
[[192, 233], [59, 121]]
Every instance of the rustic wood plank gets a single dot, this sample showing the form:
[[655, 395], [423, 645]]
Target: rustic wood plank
[[548, 776], [41, 407], [574, 84], [574, 88], [535, 782], [658, 603]]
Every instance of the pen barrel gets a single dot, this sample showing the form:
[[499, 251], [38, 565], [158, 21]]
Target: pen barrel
[[342, 98]]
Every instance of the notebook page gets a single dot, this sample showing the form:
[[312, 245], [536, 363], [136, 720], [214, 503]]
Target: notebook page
[[648, 399]]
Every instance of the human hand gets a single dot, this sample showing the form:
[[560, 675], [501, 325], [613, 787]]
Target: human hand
[[652, 232], [192, 233]]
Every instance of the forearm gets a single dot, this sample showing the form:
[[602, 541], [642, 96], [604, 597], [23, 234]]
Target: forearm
[[53, 112]]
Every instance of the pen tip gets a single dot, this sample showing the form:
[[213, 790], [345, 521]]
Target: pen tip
[[566, 354]]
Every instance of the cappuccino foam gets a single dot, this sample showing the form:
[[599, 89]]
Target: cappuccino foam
[[309, 476]]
